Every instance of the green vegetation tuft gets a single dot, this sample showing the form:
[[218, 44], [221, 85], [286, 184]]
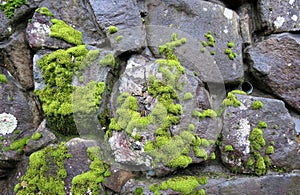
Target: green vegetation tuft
[[256, 105], [36, 136], [19, 144], [262, 124], [188, 96], [231, 100], [44, 11], [256, 139], [270, 150], [39, 178], [3, 78], [9, 6], [119, 38], [138, 191], [112, 29], [108, 60], [63, 31], [228, 148]]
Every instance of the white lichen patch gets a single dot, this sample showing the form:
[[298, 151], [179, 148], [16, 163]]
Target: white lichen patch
[[291, 2], [41, 31], [279, 21], [243, 135], [228, 13], [205, 9], [294, 17], [8, 123]]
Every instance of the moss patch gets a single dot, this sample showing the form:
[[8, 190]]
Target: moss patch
[[63, 31], [112, 29], [46, 172], [44, 11], [9, 6], [256, 105], [3, 78], [90, 180], [36, 136]]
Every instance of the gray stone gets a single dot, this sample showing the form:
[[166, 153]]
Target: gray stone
[[17, 58], [275, 16], [124, 14], [275, 64], [46, 139], [240, 121], [192, 20]]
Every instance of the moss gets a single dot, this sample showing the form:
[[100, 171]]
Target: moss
[[181, 161], [138, 191], [3, 78], [203, 50], [154, 188], [39, 178], [213, 156], [9, 6], [186, 184], [57, 69], [63, 31], [204, 43], [205, 143], [260, 166], [228, 51], [212, 52], [275, 126], [230, 44], [108, 60], [231, 100], [236, 91], [256, 139], [250, 161], [188, 96], [17, 131], [202, 180], [262, 124], [90, 180], [228, 148], [201, 192], [36, 136], [112, 29], [200, 153], [6, 149], [211, 39], [272, 143], [270, 150], [208, 113], [44, 11], [256, 105], [19, 144], [119, 38], [191, 127], [267, 161]]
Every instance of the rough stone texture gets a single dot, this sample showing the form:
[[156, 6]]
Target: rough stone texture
[[240, 121], [275, 16], [123, 14], [17, 58], [275, 63], [46, 139], [193, 19]]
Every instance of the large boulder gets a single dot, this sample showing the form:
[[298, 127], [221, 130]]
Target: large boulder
[[197, 19], [259, 135], [275, 64]]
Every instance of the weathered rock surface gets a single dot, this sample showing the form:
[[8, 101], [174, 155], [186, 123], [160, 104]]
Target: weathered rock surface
[[280, 134], [278, 16], [275, 64], [17, 58], [196, 19]]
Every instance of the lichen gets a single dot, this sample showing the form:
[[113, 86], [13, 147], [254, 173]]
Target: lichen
[[3, 78], [63, 31], [8, 123], [46, 172]]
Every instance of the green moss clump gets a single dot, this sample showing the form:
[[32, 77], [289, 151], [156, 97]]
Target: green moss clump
[[186, 184], [256, 105], [230, 44], [228, 148], [188, 96], [260, 166], [256, 139], [44, 11], [112, 29], [108, 60], [200, 153], [231, 100], [191, 127], [17, 131], [19, 144], [204, 44], [39, 178], [3, 78], [57, 69], [63, 31], [90, 180], [211, 39], [201, 192], [236, 91], [138, 191], [228, 51], [181, 161], [262, 124], [9, 6], [208, 113], [270, 150], [212, 52], [36, 136], [119, 38], [213, 156]]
